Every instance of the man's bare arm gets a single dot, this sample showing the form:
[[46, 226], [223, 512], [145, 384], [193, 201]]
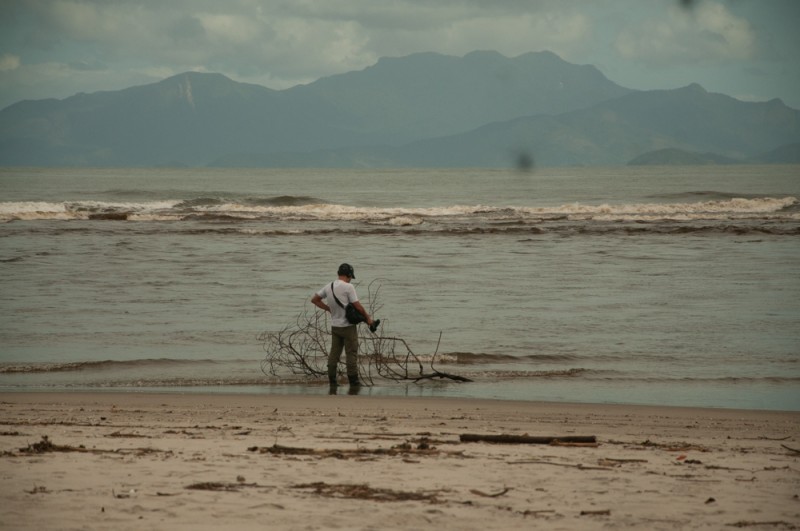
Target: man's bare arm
[[316, 300]]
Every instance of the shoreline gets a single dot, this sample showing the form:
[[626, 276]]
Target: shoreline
[[321, 390], [246, 398], [181, 460]]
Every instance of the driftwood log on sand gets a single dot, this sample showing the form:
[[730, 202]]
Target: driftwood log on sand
[[526, 439]]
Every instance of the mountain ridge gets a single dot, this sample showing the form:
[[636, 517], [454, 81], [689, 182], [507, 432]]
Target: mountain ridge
[[482, 109]]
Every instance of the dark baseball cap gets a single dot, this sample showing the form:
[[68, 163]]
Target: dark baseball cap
[[347, 270]]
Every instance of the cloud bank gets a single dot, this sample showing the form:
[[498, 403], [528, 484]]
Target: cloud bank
[[58, 47]]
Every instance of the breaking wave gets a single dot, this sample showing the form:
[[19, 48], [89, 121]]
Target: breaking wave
[[14, 368], [309, 209]]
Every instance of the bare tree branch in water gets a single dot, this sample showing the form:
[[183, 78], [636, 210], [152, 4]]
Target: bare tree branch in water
[[302, 349]]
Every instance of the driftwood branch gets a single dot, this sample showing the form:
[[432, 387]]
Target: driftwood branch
[[365, 492], [772, 523], [422, 449], [47, 446], [791, 449], [221, 486], [442, 375], [485, 495], [525, 439], [302, 349]]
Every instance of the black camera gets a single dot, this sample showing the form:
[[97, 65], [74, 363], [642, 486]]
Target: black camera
[[374, 326]]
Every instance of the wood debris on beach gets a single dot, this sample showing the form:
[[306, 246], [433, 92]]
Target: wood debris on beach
[[45, 445], [450, 465], [363, 491], [405, 449], [564, 440]]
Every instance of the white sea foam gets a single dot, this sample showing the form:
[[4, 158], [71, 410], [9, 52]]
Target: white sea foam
[[126, 206], [733, 206], [405, 221], [576, 210], [22, 207], [77, 210], [176, 209], [34, 210], [154, 217]]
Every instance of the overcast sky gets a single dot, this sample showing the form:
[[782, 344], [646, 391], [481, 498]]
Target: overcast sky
[[55, 48]]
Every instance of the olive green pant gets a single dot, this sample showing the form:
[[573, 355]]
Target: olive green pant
[[344, 337]]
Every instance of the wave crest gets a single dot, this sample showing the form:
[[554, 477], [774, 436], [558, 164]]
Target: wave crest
[[44, 367], [305, 208]]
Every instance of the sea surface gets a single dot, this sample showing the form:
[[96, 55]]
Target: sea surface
[[633, 285]]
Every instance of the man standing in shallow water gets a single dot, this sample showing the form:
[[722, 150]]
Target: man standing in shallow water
[[343, 334]]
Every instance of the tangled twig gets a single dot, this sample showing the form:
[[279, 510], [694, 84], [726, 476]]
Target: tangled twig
[[302, 349]]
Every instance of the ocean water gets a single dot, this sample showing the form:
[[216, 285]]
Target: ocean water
[[637, 285]]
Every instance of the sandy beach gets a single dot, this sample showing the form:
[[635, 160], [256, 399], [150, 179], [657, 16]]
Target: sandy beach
[[193, 461]]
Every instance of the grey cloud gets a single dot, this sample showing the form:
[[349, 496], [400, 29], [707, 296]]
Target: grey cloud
[[708, 33], [280, 39], [283, 42], [87, 66], [186, 29]]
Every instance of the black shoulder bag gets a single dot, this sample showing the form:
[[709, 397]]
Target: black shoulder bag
[[351, 313]]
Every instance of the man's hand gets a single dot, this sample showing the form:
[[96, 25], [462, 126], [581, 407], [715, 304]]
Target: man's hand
[[316, 300]]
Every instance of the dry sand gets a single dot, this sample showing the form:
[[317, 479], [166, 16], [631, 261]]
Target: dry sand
[[192, 461]]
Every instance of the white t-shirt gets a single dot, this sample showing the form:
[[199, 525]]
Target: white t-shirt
[[346, 293]]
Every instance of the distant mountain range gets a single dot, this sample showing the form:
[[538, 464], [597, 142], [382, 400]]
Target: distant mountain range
[[482, 110], [788, 154]]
